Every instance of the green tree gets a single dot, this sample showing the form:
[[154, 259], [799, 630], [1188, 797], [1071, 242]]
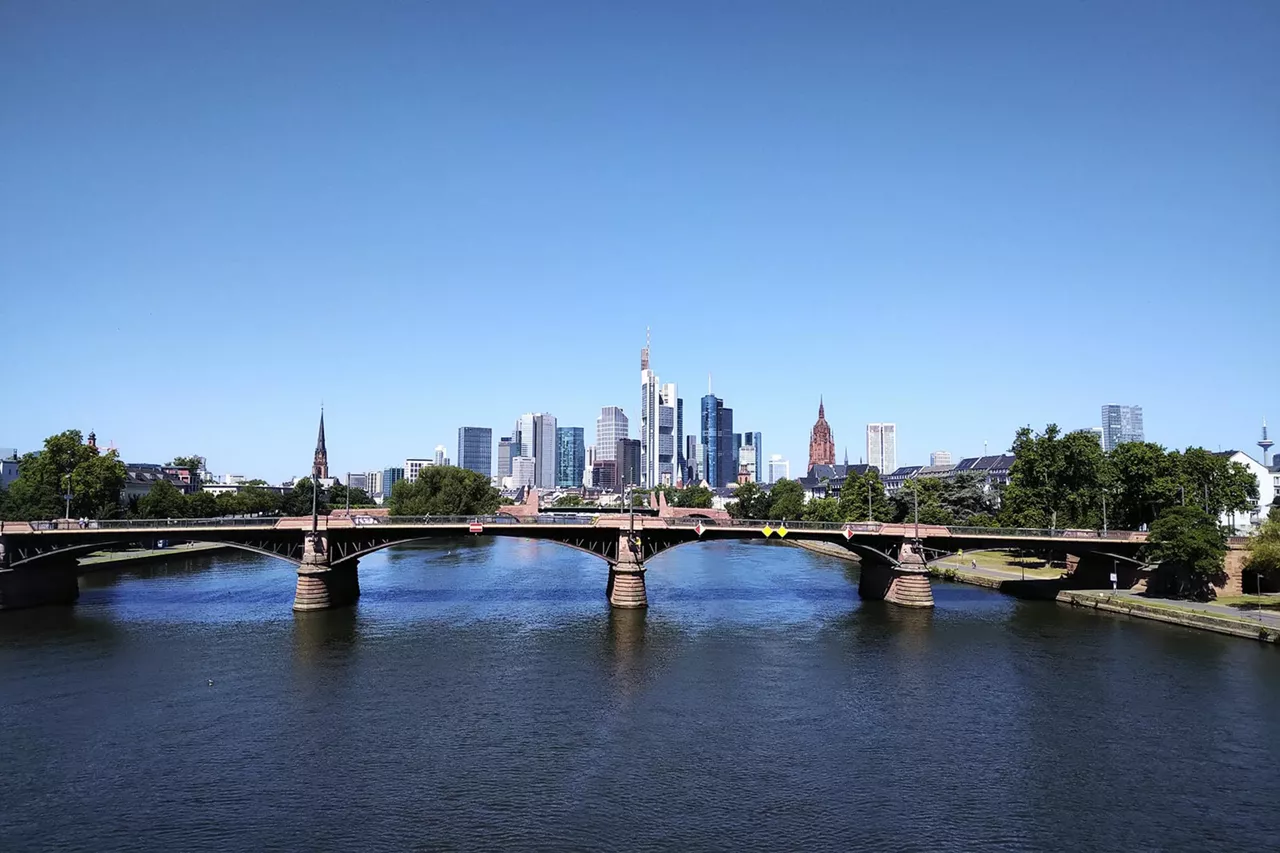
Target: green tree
[[297, 502], [822, 509], [94, 478], [444, 491], [1054, 478], [1190, 547], [569, 500], [202, 505], [257, 482], [930, 491], [251, 500], [750, 501], [191, 463], [862, 498], [786, 499], [1142, 480], [165, 500], [693, 497], [1264, 549]]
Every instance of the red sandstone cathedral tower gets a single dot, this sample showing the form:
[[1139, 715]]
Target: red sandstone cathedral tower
[[822, 447]]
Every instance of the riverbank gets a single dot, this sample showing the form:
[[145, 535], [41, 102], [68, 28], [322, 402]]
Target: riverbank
[[109, 559], [1206, 616]]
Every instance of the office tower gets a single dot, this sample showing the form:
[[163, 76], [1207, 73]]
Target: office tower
[[373, 483], [610, 426], [779, 468], [657, 426], [1120, 424], [358, 480], [475, 449], [604, 474], [822, 444], [755, 441], [571, 457], [536, 435], [717, 437], [627, 457], [690, 473], [523, 471], [390, 476], [940, 457], [413, 466], [507, 450], [882, 447], [677, 465], [440, 460], [747, 461]]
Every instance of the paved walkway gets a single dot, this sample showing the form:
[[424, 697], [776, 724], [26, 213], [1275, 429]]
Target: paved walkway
[[999, 574], [1269, 618]]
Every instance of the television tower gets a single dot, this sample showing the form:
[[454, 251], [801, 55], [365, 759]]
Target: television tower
[[1266, 443]]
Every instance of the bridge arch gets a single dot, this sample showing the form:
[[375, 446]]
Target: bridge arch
[[340, 556]]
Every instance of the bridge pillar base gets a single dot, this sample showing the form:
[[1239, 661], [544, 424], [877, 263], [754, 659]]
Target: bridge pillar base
[[910, 590], [54, 582], [325, 588], [626, 587]]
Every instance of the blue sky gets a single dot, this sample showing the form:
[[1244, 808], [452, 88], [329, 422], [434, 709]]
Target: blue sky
[[961, 217]]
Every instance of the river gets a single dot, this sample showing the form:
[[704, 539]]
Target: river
[[482, 695]]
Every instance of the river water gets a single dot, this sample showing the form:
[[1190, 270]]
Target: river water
[[482, 695]]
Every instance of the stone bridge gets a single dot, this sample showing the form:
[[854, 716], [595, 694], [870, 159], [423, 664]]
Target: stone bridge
[[39, 560]]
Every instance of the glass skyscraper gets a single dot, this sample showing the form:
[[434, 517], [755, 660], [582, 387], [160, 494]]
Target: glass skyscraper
[[390, 476], [475, 449], [1120, 424], [571, 457], [717, 438]]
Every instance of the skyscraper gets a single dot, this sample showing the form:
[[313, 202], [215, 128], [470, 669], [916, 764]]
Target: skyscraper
[[690, 473], [752, 450], [535, 433], [822, 445], [779, 468], [627, 457], [390, 476], [657, 426], [475, 450], [507, 449], [610, 426], [939, 457], [882, 447], [1120, 424], [373, 483], [571, 457], [440, 459], [717, 438]]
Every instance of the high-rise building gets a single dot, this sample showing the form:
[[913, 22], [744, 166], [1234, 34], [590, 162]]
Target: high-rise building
[[938, 457], [475, 449], [358, 480], [604, 474], [690, 473], [677, 467], [882, 447], [536, 435], [1120, 424], [523, 471], [390, 476], [373, 483], [571, 457], [319, 463], [822, 445], [440, 459], [413, 466], [507, 449], [755, 441], [717, 436], [610, 426], [658, 436], [779, 468], [627, 456]]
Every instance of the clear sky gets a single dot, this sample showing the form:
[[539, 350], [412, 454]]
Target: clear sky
[[961, 217]]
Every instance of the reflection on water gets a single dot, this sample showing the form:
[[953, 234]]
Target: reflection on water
[[482, 694]]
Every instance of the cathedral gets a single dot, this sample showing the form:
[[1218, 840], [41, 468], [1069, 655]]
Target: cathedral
[[822, 447], [320, 464]]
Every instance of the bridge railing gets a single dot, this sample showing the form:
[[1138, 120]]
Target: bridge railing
[[1047, 533], [151, 523], [792, 524], [417, 520]]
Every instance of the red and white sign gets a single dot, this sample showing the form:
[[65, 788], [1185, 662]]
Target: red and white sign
[[476, 527], [848, 533], [699, 528]]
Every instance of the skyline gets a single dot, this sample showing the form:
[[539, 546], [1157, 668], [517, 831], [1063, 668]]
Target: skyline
[[220, 218]]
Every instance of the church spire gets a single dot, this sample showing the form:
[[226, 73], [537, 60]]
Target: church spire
[[822, 413], [320, 464]]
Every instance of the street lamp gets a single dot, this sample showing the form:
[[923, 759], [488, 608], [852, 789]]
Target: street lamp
[[1104, 512], [67, 516]]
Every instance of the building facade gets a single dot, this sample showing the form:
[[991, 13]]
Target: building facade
[[506, 451], [779, 468], [475, 449], [627, 457], [523, 471], [390, 476], [373, 483], [535, 433], [412, 467], [754, 441], [1120, 424], [940, 457], [571, 457], [822, 444], [717, 438], [882, 446], [611, 426], [658, 422]]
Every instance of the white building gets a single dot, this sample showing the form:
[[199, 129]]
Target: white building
[[440, 459], [882, 446], [8, 471], [590, 462], [1244, 523], [535, 435], [358, 480], [413, 466], [373, 483], [939, 457], [523, 472], [779, 468], [611, 426], [747, 459]]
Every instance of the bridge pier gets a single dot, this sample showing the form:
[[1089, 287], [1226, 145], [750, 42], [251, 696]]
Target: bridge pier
[[49, 581], [906, 584], [321, 585], [626, 576]]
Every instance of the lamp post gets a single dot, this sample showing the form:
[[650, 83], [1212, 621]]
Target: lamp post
[[67, 515], [1104, 512], [915, 493], [348, 495], [869, 519]]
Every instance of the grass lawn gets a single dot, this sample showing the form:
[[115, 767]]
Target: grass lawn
[[1265, 602], [1005, 562]]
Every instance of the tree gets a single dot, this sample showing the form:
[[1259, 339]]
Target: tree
[[862, 498], [786, 499], [1142, 480], [360, 498], [568, 500], [444, 491], [165, 500], [693, 497], [202, 505], [256, 482], [94, 478], [191, 463], [251, 500], [298, 501], [750, 501], [1054, 478], [930, 492], [1214, 482], [1190, 547], [1264, 549], [822, 509]]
